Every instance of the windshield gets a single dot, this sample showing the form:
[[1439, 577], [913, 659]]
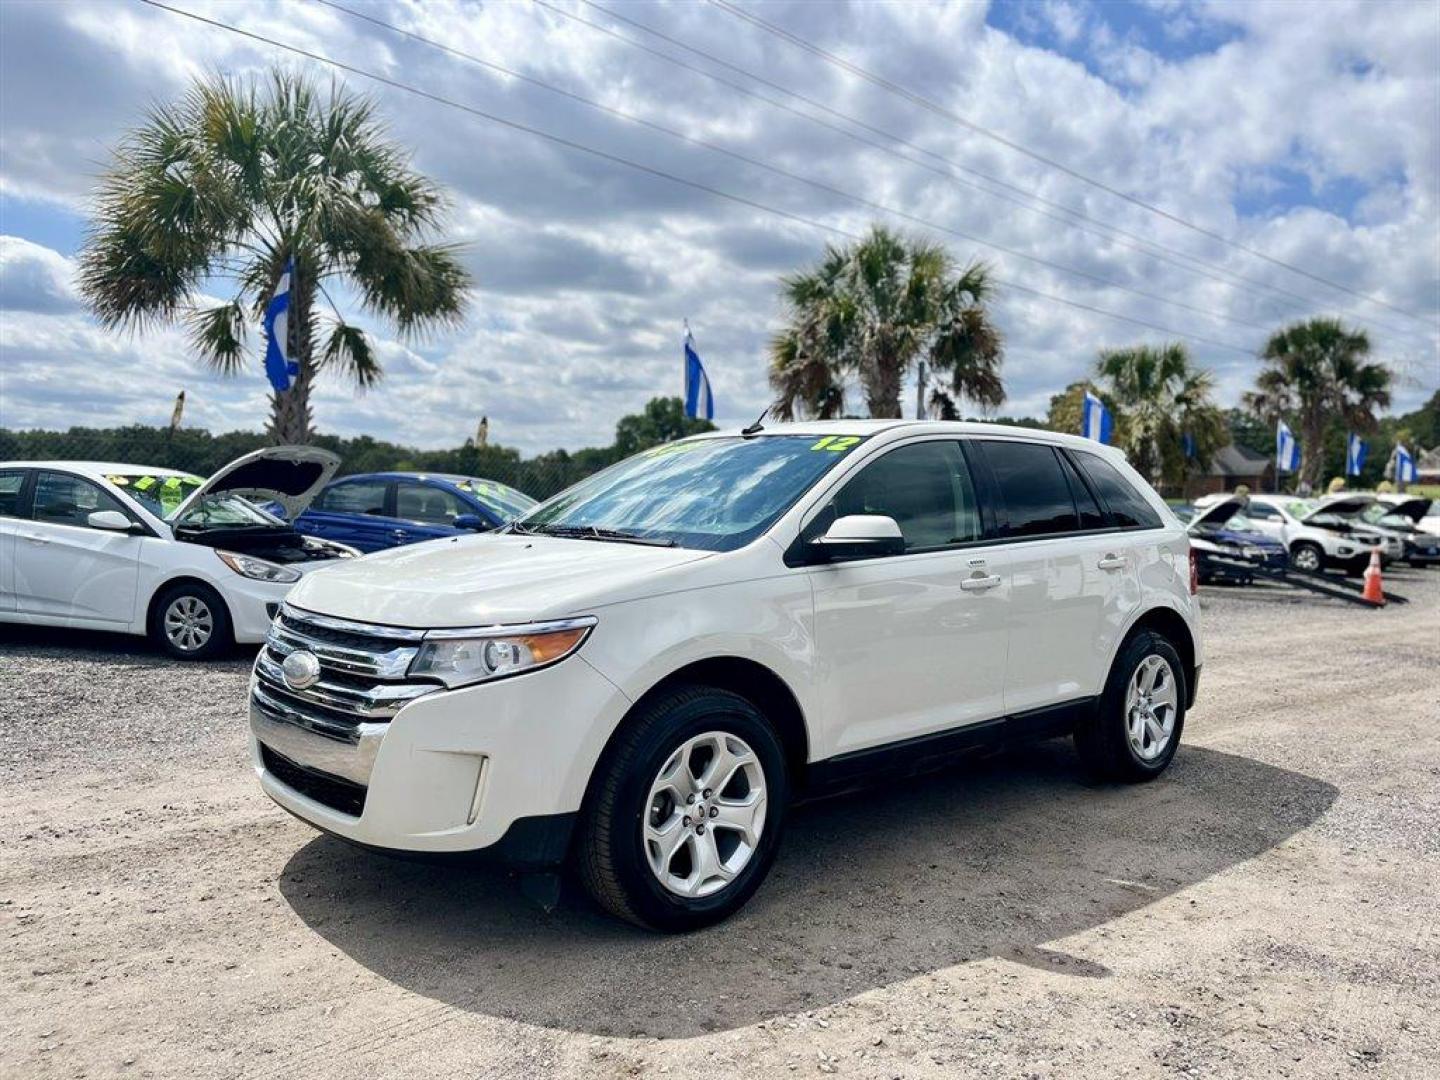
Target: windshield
[[716, 494], [1300, 507], [161, 495], [506, 502], [225, 510]]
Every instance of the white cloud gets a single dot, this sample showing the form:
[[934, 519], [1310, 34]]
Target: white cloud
[[584, 269]]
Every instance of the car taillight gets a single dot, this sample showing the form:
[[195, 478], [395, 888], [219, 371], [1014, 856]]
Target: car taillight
[[1194, 573]]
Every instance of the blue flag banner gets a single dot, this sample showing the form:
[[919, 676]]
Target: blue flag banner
[[1287, 449], [1095, 420], [699, 402], [1405, 471], [1355, 450], [1187, 445], [279, 368]]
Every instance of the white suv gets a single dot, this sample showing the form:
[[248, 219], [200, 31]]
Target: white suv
[[643, 672]]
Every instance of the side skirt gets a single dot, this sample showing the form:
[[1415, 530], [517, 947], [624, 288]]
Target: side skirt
[[845, 772]]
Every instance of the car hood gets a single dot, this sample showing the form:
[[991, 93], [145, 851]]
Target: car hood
[[288, 475], [488, 579], [1217, 513], [1414, 509], [1342, 506]]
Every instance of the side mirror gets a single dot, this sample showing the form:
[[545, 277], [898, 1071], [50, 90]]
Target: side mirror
[[110, 520], [858, 536], [471, 521]]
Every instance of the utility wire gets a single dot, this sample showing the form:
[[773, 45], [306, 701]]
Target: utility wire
[[649, 170], [979, 129], [778, 171], [1191, 264]]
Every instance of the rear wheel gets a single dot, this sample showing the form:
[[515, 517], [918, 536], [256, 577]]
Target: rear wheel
[[684, 819], [1307, 557], [189, 621], [1135, 730]]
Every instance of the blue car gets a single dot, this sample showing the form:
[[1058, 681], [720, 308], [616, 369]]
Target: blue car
[[374, 511], [1228, 546]]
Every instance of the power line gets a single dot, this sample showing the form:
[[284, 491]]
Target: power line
[[778, 171], [1149, 247], [650, 170], [979, 129]]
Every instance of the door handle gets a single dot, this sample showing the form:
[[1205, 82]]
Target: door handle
[[980, 584], [1112, 562]]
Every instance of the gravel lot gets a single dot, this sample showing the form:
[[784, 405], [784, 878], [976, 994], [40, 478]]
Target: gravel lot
[[1268, 908]]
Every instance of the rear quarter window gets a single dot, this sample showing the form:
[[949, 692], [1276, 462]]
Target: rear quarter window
[[1128, 508]]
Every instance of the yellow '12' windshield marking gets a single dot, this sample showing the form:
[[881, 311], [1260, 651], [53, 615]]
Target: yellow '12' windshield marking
[[836, 444]]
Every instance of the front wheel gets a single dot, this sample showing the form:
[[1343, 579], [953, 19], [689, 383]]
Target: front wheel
[[685, 815], [1135, 730], [190, 622], [1308, 558]]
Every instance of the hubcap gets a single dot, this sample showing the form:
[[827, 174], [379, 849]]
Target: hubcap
[[1151, 705], [188, 623], [1306, 559], [705, 814]]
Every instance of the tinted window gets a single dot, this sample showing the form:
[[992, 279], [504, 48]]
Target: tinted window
[[62, 499], [1032, 487], [427, 504], [10, 484], [1127, 506], [1261, 512], [926, 488], [1091, 516], [355, 497]]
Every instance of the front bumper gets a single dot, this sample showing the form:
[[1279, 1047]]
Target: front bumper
[[252, 605], [499, 766]]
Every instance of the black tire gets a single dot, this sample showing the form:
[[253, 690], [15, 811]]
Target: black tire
[[611, 857], [1304, 549], [221, 636], [1102, 740]]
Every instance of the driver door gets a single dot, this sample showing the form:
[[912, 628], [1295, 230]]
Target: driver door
[[65, 568], [912, 644]]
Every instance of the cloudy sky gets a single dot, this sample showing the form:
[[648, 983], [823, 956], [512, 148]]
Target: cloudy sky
[[1308, 132]]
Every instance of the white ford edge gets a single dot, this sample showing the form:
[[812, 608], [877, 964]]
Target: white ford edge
[[643, 672], [130, 548]]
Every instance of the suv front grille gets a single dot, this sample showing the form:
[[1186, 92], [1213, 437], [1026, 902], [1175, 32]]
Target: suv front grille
[[339, 795], [362, 674]]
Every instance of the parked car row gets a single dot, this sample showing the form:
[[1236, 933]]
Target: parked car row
[[199, 565], [1317, 534]]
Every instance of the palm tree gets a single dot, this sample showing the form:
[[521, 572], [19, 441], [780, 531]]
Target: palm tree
[[873, 310], [222, 188], [1315, 373], [1162, 398]]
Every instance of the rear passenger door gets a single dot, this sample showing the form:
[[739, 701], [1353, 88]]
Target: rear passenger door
[[1072, 575], [426, 511], [354, 512]]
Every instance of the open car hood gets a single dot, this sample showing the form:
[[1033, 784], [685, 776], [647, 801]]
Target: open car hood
[[1219, 513], [1412, 508], [1344, 506], [289, 475]]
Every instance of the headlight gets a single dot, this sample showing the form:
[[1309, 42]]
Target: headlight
[[462, 657], [258, 569]]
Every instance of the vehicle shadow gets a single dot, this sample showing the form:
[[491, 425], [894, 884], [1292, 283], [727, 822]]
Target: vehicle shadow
[[990, 859]]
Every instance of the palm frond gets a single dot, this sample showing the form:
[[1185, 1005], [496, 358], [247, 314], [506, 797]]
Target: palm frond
[[348, 351], [218, 335]]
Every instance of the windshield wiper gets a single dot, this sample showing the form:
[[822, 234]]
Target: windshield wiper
[[595, 532]]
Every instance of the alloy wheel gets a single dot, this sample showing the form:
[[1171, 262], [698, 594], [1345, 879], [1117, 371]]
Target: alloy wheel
[[1152, 703], [189, 623], [705, 813], [1307, 559]]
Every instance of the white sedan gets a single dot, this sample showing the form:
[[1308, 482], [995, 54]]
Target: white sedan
[[192, 563]]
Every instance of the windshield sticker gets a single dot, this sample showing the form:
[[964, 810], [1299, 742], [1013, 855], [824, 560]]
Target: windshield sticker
[[836, 444]]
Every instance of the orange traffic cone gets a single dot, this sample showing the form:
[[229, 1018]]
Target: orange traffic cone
[[1374, 593]]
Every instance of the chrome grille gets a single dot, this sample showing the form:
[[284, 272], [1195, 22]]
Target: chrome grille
[[362, 674]]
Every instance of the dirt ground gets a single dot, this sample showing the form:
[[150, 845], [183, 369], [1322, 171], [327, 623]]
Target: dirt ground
[[1268, 908]]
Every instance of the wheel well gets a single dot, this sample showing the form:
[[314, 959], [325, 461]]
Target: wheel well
[[153, 610], [1173, 628], [753, 681]]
